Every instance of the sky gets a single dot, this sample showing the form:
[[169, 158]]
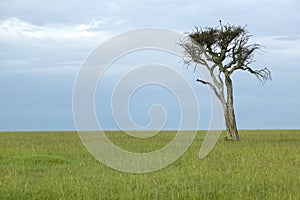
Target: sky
[[44, 43]]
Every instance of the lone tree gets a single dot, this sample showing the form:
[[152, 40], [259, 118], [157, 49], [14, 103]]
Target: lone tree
[[223, 50]]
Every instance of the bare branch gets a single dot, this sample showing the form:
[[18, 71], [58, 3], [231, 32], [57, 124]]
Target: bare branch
[[203, 82], [215, 80], [262, 75], [218, 94]]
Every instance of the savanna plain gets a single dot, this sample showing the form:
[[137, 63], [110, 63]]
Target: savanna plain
[[264, 164]]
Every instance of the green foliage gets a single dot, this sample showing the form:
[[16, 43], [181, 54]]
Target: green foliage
[[55, 165]]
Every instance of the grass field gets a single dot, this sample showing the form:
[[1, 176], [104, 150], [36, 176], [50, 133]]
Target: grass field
[[56, 165]]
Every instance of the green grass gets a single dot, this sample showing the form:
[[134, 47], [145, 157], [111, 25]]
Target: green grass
[[55, 165]]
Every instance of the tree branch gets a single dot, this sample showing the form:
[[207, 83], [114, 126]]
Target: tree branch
[[220, 97], [262, 75], [203, 82]]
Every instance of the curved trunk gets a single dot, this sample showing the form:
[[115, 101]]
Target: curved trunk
[[231, 128]]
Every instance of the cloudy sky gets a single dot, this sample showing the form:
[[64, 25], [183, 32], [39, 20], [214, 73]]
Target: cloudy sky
[[43, 44]]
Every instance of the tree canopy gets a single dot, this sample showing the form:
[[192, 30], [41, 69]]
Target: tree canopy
[[227, 47]]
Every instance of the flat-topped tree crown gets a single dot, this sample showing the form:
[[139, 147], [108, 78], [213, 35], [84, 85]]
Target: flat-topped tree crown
[[225, 45]]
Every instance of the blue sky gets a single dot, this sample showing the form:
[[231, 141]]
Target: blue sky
[[43, 44]]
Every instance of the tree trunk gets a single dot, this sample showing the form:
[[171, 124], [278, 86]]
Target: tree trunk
[[231, 128]]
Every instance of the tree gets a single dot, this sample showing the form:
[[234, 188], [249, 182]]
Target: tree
[[222, 50]]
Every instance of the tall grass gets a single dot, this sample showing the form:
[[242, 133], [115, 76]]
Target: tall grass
[[55, 165]]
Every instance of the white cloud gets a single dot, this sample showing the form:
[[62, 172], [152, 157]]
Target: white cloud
[[15, 29], [93, 25], [283, 46]]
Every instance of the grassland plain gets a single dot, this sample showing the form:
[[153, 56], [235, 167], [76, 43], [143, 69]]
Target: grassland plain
[[56, 165]]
